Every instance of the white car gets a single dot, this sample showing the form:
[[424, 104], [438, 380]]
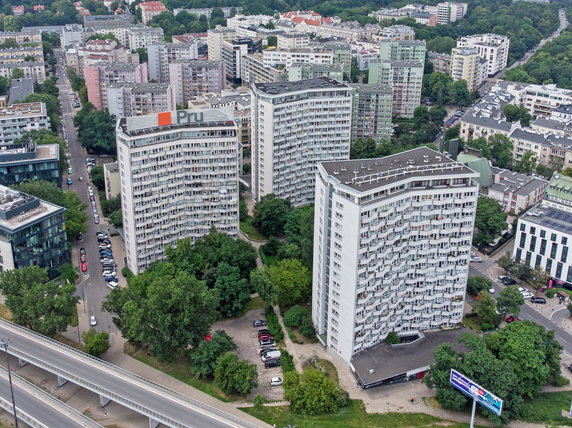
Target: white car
[[527, 295], [473, 254], [90, 190], [276, 381], [522, 290], [92, 320], [476, 260], [492, 290], [109, 273], [112, 284]]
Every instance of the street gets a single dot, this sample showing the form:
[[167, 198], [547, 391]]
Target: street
[[92, 288]]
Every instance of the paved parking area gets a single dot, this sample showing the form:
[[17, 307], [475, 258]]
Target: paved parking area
[[246, 337]]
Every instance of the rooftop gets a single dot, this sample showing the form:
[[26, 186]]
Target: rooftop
[[23, 109], [111, 167], [564, 108], [28, 152], [368, 174], [560, 189], [550, 218], [382, 361], [142, 87], [276, 88], [19, 209], [514, 182], [20, 89]]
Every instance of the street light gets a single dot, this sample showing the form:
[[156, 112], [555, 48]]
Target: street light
[[4, 344]]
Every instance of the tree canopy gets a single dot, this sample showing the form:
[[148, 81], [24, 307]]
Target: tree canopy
[[490, 221], [45, 307], [271, 215], [96, 130], [205, 355], [476, 284], [234, 375], [510, 300], [292, 282]]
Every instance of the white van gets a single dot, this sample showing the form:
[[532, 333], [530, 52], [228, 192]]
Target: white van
[[271, 355]]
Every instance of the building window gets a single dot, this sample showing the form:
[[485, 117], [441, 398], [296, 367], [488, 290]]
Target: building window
[[543, 233], [522, 227], [532, 243], [548, 265], [553, 237], [518, 254], [528, 257], [522, 240], [533, 230], [559, 270], [564, 240], [553, 250], [543, 247], [564, 255], [538, 260]]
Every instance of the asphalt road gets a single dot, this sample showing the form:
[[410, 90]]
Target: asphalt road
[[527, 312], [121, 386], [92, 289], [40, 405]]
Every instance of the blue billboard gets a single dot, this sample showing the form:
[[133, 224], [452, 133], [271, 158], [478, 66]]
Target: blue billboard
[[475, 391]]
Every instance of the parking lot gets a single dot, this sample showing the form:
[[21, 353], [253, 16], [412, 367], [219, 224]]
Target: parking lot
[[246, 338]]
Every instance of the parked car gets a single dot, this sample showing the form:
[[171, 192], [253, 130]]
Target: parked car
[[492, 290], [104, 246], [266, 350], [511, 318], [259, 323], [96, 219], [267, 342], [541, 300], [110, 278], [69, 181], [92, 320], [82, 258], [476, 260], [106, 260], [112, 284], [265, 337], [82, 251], [276, 381], [271, 363], [80, 236], [90, 191], [263, 330], [508, 281], [109, 273], [84, 267], [528, 295], [70, 171]]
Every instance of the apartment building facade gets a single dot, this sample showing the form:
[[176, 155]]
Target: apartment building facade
[[215, 39], [136, 99], [468, 65], [371, 112], [179, 178], [255, 71], [492, 47], [17, 119], [25, 162], [295, 125], [192, 79], [150, 9], [162, 54], [448, 12], [141, 36], [392, 238]]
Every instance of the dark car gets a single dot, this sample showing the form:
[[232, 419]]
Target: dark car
[[82, 251], [80, 236], [538, 300], [259, 323], [110, 278], [508, 281], [271, 363], [267, 342], [263, 330], [265, 351]]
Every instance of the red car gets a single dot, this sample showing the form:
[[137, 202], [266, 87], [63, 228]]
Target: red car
[[84, 267], [265, 337], [511, 318], [83, 258]]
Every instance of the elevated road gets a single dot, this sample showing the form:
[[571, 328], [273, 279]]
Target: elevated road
[[37, 408], [159, 404]]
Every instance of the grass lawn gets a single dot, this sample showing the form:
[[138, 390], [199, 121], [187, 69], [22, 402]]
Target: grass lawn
[[251, 231], [180, 369], [353, 416], [69, 342], [547, 408], [255, 303], [5, 312], [331, 370], [473, 323], [267, 260], [74, 321], [299, 338]]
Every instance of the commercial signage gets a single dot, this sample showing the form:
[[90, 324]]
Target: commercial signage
[[476, 392], [181, 117]]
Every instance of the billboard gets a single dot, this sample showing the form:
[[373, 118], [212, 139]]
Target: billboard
[[475, 391]]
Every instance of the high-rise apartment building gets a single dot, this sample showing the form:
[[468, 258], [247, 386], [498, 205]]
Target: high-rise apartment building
[[179, 178], [32, 233], [17, 119], [402, 50], [232, 53], [392, 238], [296, 125], [448, 12], [215, 39], [467, 64], [163, 54], [141, 36], [372, 111], [136, 99], [100, 75], [405, 79], [195, 78], [492, 47]]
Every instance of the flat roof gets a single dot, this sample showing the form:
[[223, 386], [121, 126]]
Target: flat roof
[[20, 89], [23, 109], [20, 209], [550, 218], [275, 88], [368, 174], [382, 361]]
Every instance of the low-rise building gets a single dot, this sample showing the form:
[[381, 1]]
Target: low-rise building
[[514, 191], [26, 162], [441, 62], [292, 40], [31, 70], [17, 119], [150, 9], [20, 89], [112, 180], [32, 233], [21, 37], [206, 11]]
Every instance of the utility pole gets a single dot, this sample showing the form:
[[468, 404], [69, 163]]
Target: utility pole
[[4, 344]]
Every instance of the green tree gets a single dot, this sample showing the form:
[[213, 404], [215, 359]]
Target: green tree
[[261, 283], [75, 80], [204, 357], [313, 393], [232, 291], [441, 44], [299, 230], [96, 344], [392, 338], [364, 149], [490, 221], [295, 316], [35, 303], [506, 262], [52, 107], [510, 300], [116, 218], [75, 217], [143, 56], [166, 309], [4, 85], [476, 284], [272, 40], [421, 116], [291, 280], [97, 177], [110, 205], [290, 251], [235, 376], [271, 214], [486, 310], [437, 114], [538, 278], [517, 113], [96, 130], [521, 270], [569, 307], [10, 23]]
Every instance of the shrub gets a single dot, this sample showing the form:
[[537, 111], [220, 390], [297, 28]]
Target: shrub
[[560, 381], [286, 361], [550, 293], [392, 338], [274, 325], [485, 326], [295, 316], [307, 328], [259, 401], [313, 393], [272, 247]]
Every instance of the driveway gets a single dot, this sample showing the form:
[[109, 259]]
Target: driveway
[[246, 338]]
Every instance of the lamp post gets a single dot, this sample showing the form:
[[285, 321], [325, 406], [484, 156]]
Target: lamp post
[[4, 344]]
